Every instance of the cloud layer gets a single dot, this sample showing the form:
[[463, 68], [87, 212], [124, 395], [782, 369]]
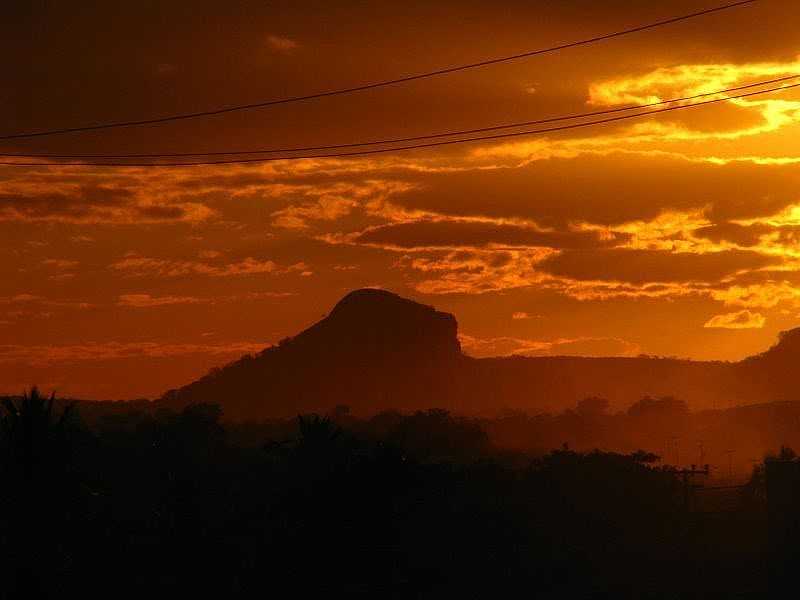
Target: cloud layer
[[666, 235]]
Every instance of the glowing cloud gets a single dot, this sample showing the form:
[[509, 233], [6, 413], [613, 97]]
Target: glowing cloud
[[281, 43], [744, 319]]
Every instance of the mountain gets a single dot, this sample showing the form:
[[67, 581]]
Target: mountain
[[377, 351], [374, 350]]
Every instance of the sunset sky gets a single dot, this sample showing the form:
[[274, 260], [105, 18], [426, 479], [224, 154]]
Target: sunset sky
[[672, 235]]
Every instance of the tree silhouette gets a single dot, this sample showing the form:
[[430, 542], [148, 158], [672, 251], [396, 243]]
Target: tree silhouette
[[591, 407], [320, 448], [317, 433], [36, 446], [33, 438]]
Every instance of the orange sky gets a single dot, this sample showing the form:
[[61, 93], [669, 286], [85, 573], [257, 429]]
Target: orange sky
[[675, 235]]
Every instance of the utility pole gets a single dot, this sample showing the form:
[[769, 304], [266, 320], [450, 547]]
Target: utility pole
[[676, 441], [729, 452], [686, 475]]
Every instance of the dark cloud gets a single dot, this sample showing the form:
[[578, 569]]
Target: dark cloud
[[76, 204], [91, 204], [608, 190], [749, 235], [742, 235], [162, 212], [642, 266], [422, 234]]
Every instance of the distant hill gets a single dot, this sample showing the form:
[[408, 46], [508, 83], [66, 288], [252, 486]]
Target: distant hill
[[378, 351]]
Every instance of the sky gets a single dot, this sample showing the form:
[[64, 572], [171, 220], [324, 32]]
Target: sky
[[672, 235]]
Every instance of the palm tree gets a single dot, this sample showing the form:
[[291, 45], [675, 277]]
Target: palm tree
[[35, 444], [320, 449], [317, 434], [33, 438]]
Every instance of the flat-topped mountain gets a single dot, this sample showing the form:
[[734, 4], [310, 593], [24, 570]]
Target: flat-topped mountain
[[378, 351], [374, 350], [375, 325]]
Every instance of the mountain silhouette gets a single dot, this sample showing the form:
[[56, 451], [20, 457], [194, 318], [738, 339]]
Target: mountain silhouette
[[378, 351], [374, 350]]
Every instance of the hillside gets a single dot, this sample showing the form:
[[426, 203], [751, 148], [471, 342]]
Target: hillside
[[377, 351]]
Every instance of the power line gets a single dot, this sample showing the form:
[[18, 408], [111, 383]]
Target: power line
[[405, 139], [409, 147], [377, 84]]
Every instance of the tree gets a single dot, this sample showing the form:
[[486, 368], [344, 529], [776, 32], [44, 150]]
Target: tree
[[33, 438], [318, 435], [36, 445], [665, 407]]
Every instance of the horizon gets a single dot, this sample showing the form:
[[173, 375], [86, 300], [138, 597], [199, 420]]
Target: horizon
[[534, 353]]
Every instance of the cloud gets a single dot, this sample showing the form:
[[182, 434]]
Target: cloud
[[24, 297], [474, 271], [281, 43], [592, 291], [577, 346], [741, 235], [642, 266], [684, 80], [148, 301], [744, 319], [209, 254], [520, 316], [772, 234], [764, 295], [29, 299], [62, 202], [325, 209], [21, 308], [137, 266], [106, 351], [608, 190], [60, 263], [601, 279], [331, 202], [732, 121], [462, 232]]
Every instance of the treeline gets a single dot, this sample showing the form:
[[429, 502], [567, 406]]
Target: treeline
[[416, 506], [731, 439]]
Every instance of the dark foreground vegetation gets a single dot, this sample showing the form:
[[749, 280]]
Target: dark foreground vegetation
[[410, 506]]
